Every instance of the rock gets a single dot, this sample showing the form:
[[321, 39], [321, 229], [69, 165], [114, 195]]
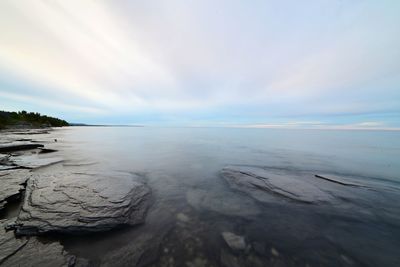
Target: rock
[[182, 217], [197, 262], [9, 245], [146, 243], [31, 252], [226, 203], [5, 163], [17, 146], [260, 183], [78, 203], [46, 150], [229, 260], [35, 253], [142, 251], [33, 131], [337, 180], [235, 242], [12, 183], [34, 161], [274, 252]]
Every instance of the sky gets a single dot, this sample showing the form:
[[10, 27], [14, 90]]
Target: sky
[[296, 64]]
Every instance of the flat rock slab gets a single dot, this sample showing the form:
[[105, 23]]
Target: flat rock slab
[[34, 161], [5, 163], [9, 245], [30, 251], [259, 182], [11, 185], [78, 203]]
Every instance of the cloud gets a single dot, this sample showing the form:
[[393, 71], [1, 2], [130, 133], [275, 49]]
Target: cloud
[[368, 125], [227, 59]]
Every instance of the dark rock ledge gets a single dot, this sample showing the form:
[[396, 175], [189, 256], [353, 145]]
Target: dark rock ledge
[[12, 184], [18, 146], [29, 251]]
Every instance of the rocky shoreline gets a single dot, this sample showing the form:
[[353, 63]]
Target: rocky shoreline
[[66, 202]]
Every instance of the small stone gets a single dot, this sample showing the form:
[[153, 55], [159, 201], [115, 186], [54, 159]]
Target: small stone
[[346, 259], [234, 241], [182, 217], [274, 252]]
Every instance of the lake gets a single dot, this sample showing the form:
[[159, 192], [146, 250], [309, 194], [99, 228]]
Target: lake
[[193, 204]]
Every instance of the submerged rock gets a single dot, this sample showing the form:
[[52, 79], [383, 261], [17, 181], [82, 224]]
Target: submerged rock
[[235, 242], [12, 183], [142, 251], [338, 180], [144, 244], [260, 183], [78, 203], [182, 217], [226, 203]]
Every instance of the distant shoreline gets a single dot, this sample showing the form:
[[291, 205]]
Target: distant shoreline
[[101, 125]]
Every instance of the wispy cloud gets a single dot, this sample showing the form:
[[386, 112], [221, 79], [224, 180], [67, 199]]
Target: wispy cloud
[[368, 125], [194, 60]]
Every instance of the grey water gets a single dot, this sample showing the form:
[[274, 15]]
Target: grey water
[[192, 204]]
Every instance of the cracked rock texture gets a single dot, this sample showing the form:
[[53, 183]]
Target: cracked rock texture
[[31, 252], [11, 185], [78, 203], [260, 183], [33, 161]]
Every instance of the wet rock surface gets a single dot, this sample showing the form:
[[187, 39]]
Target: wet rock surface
[[12, 183], [34, 161], [225, 203], [5, 163], [17, 146], [142, 251], [77, 203], [9, 245], [235, 242], [338, 180], [259, 183], [32, 252]]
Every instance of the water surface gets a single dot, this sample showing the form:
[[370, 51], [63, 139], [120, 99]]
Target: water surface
[[193, 204]]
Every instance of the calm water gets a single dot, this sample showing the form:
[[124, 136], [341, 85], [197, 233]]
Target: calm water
[[182, 167]]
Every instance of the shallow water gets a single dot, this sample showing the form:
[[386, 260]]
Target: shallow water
[[192, 203]]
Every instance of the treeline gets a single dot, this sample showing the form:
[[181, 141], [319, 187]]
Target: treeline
[[28, 119]]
